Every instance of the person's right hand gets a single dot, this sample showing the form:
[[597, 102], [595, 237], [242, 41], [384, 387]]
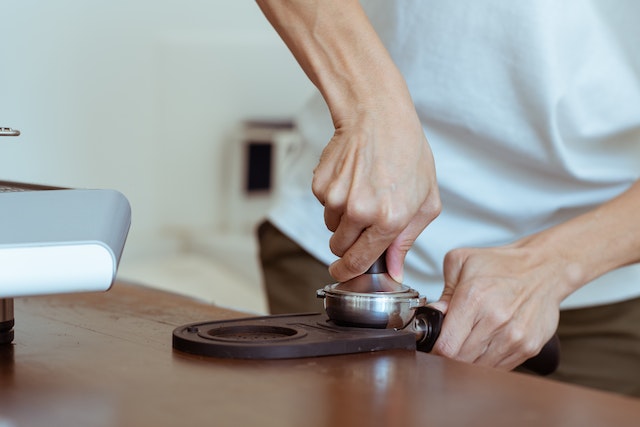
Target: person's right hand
[[376, 177], [377, 182]]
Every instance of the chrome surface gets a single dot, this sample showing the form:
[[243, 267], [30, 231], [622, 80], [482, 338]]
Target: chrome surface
[[392, 309], [6, 131]]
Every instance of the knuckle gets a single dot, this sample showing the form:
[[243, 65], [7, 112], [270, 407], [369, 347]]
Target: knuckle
[[333, 197], [318, 190], [501, 318], [389, 226], [397, 218], [455, 256], [530, 349], [520, 340], [516, 336], [444, 349], [358, 212], [432, 208], [318, 183], [389, 219]]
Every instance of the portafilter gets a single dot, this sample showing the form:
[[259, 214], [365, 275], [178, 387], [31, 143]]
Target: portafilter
[[375, 300]]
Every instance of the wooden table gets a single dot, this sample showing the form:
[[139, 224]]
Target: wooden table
[[106, 360]]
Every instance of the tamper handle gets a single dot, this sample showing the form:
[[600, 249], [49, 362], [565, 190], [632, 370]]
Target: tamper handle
[[379, 266]]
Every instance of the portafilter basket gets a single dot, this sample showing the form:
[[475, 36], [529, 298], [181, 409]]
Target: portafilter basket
[[376, 300]]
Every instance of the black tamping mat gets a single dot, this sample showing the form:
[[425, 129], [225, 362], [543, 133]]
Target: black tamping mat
[[284, 337]]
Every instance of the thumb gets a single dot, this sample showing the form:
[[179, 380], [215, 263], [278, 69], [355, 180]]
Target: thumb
[[440, 305], [443, 303], [397, 251], [453, 263], [395, 262]]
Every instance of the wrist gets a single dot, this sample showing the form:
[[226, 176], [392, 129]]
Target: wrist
[[565, 271], [359, 76], [594, 243]]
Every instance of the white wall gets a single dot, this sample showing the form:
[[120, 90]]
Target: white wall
[[139, 96]]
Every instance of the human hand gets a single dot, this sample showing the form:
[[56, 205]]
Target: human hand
[[376, 177], [376, 180], [502, 304]]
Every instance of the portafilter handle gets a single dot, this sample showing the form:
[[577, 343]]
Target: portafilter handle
[[428, 323]]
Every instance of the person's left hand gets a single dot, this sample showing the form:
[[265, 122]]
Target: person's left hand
[[501, 304]]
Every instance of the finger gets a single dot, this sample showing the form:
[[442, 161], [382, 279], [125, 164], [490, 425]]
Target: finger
[[451, 338], [345, 235], [494, 336], [397, 251], [476, 348], [332, 192], [363, 220], [319, 184], [511, 361], [452, 269], [335, 164], [335, 203], [457, 325], [359, 257], [452, 335], [332, 218], [500, 355], [440, 305], [335, 199], [520, 353]]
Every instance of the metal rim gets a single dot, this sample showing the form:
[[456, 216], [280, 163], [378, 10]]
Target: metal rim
[[404, 293], [379, 310]]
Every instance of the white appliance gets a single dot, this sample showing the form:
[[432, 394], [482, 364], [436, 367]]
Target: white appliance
[[57, 241], [60, 241]]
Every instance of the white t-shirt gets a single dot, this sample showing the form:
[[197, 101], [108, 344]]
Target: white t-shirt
[[532, 110]]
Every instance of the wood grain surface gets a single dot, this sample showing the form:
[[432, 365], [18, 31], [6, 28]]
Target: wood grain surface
[[106, 360]]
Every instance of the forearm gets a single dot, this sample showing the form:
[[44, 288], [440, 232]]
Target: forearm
[[375, 177], [592, 244], [336, 46], [512, 293]]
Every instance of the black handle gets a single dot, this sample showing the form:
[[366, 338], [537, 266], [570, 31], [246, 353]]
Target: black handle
[[379, 266], [430, 319]]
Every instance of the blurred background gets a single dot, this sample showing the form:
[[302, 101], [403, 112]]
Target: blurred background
[[182, 106]]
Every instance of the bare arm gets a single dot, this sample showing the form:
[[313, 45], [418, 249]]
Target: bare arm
[[503, 303], [376, 177], [377, 182]]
